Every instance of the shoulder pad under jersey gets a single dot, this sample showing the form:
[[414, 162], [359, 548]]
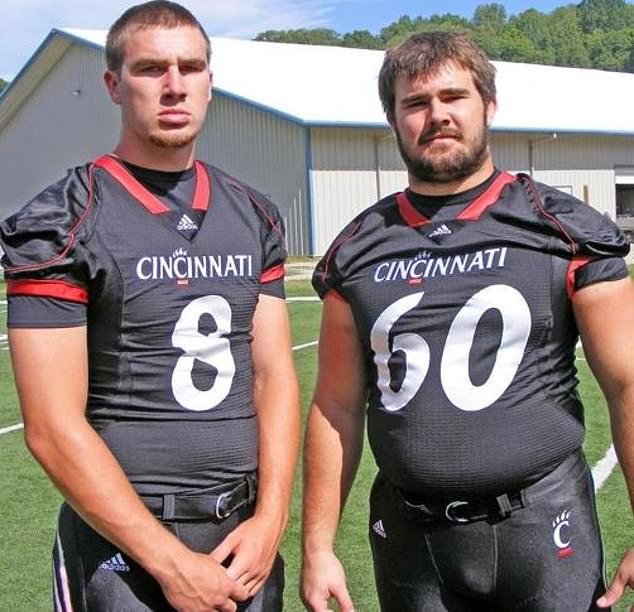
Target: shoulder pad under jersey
[[44, 234], [588, 230]]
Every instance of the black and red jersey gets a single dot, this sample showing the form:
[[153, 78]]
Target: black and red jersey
[[169, 298], [468, 333]]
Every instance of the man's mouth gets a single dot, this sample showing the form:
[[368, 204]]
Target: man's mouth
[[439, 137], [174, 117]]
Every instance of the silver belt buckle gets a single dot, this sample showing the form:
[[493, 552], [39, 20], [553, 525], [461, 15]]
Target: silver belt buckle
[[449, 511], [225, 514]]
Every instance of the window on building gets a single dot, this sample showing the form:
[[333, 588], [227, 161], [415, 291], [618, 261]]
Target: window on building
[[625, 210]]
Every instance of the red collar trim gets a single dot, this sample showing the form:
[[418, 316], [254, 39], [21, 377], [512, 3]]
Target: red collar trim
[[147, 199], [472, 212], [486, 199], [202, 192]]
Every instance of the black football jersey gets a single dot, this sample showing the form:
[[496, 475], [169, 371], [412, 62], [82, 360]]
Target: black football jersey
[[468, 332], [169, 312]]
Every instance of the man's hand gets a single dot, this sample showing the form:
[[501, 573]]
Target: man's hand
[[251, 548], [623, 578], [200, 584], [323, 577]]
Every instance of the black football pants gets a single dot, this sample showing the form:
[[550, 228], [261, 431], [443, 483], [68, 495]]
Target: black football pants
[[91, 575], [544, 557]]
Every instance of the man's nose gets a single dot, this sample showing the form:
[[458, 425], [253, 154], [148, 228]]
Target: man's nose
[[438, 112], [174, 82]]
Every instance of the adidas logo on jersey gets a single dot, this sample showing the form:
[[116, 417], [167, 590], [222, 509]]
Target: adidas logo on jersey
[[186, 224], [115, 564], [379, 529], [443, 230]]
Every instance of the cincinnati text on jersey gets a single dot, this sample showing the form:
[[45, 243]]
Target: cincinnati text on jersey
[[424, 265], [179, 265]]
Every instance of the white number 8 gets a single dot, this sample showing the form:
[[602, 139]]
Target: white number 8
[[213, 349]]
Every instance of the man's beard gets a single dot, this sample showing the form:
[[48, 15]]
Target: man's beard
[[169, 140], [432, 168]]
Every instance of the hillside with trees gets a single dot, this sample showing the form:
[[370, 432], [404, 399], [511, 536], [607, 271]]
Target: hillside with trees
[[3, 84], [593, 34]]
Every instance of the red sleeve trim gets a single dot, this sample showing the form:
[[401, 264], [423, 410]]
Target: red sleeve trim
[[58, 289], [575, 264], [273, 274], [336, 295]]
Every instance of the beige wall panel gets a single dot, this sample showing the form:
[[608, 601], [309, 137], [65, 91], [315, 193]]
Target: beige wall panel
[[68, 120], [266, 152], [344, 179], [346, 159]]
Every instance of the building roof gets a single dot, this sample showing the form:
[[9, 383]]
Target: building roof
[[336, 86]]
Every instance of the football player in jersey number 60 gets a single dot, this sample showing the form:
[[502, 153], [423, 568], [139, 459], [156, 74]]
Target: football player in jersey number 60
[[452, 312], [146, 299]]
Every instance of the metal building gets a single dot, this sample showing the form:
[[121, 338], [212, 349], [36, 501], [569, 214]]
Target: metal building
[[304, 125]]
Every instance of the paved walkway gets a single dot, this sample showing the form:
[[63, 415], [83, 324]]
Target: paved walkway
[[301, 270]]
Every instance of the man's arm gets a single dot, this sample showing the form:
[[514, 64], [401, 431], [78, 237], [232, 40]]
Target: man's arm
[[51, 375], [334, 440], [605, 317], [254, 542]]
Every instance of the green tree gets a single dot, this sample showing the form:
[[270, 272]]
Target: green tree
[[610, 50], [491, 17], [566, 39], [362, 39], [302, 36], [3, 84], [603, 15]]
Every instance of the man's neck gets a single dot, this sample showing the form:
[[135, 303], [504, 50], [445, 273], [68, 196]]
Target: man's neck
[[168, 159], [451, 187]]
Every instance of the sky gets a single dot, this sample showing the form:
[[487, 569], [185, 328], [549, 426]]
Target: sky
[[25, 23]]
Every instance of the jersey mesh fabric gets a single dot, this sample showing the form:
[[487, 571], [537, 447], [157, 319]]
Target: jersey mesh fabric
[[468, 334], [169, 318]]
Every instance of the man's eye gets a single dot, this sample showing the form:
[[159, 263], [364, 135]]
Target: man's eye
[[151, 69], [191, 68]]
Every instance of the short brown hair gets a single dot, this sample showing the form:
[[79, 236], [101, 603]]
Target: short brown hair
[[154, 14], [424, 54]]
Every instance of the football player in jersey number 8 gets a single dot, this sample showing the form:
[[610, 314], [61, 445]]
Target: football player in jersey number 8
[[451, 315], [166, 424]]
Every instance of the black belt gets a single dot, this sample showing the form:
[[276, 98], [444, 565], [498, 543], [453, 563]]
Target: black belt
[[494, 508], [459, 511], [216, 502]]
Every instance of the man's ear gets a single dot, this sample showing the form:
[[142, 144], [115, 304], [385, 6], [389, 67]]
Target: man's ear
[[211, 84], [492, 108], [111, 79]]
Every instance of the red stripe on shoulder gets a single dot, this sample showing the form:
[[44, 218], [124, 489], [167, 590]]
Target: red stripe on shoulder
[[573, 266], [273, 274], [58, 289], [131, 185], [487, 198], [202, 194]]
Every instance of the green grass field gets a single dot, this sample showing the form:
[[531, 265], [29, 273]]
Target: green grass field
[[29, 502]]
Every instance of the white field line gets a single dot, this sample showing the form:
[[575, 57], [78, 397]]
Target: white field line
[[299, 347], [603, 468], [307, 298], [11, 428], [5, 430], [600, 472]]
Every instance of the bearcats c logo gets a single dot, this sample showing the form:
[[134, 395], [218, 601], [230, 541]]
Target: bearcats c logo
[[561, 534]]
